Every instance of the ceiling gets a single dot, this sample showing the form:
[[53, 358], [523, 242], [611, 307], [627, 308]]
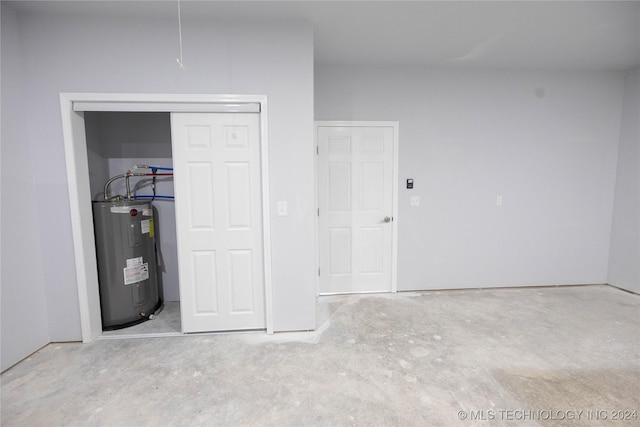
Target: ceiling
[[584, 35]]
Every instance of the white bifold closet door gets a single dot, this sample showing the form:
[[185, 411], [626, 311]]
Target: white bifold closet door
[[217, 179]]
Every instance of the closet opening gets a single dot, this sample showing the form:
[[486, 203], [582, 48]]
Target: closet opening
[[130, 164], [109, 134]]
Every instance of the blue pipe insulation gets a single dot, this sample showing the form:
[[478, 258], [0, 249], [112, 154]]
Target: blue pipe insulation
[[154, 197], [160, 168]]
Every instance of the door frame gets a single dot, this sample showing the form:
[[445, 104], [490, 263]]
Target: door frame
[[75, 146], [394, 225]]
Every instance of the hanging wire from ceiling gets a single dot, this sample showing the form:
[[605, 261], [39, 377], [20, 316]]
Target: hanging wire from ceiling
[[179, 60]]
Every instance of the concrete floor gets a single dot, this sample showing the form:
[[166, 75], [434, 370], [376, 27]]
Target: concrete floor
[[535, 356], [166, 322]]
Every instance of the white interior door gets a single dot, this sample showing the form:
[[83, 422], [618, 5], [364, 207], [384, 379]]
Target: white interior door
[[356, 201], [216, 160]]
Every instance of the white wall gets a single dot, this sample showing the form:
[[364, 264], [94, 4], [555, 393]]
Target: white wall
[[545, 141], [624, 259], [107, 54], [24, 313]]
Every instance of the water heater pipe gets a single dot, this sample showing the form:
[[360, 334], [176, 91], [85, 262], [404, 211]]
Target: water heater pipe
[[154, 197], [130, 174], [160, 168], [126, 176], [108, 183]]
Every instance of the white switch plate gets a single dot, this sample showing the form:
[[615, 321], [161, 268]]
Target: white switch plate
[[498, 200], [282, 209], [415, 201]]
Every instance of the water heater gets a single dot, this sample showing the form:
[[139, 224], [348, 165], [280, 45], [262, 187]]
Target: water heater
[[127, 266]]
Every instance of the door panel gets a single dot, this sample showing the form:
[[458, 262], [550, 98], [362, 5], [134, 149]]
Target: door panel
[[339, 187], [372, 248], [355, 172], [200, 207], [339, 251], [372, 199], [241, 281], [239, 191], [219, 220], [204, 271]]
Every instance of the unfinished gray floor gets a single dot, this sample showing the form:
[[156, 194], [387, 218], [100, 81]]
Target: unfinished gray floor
[[166, 322], [409, 359]]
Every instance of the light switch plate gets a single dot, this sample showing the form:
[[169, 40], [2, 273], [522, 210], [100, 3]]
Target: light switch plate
[[415, 201]]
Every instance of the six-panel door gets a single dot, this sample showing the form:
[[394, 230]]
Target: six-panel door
[[355, 174], [216, 159]]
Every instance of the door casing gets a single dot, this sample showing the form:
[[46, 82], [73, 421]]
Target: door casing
[[394, 240], [75, 146]]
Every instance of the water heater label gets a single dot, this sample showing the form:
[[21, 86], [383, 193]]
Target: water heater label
[[133, 262], [146, 226], [136, 274]]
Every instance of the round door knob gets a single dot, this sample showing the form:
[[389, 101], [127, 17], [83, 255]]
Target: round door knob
[[387, 219]]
